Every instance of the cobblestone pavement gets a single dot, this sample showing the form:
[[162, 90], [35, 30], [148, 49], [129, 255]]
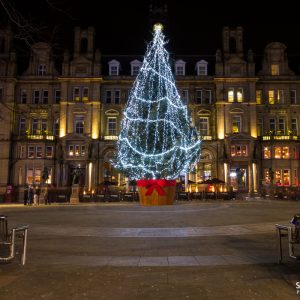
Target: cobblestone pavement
[[191, 250]]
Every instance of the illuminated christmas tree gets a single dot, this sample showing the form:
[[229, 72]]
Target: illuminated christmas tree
[[156, 138]]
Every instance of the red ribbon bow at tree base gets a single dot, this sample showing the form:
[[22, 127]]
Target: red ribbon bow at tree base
[[155, 184]]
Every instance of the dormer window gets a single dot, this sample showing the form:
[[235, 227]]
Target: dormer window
[[201, 68], [41, 69], [114, 67], [180, 68], [275, 69], [135, 67]]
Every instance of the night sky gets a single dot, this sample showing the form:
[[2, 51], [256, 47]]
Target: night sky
[[194, 27]]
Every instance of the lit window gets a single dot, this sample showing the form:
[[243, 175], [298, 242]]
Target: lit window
[[267, 152], [29, 176], [285, 152], [267, 176], [71, 150], [258, 96], [244, 150], [37, 176], [82, 148], [286, 177], [85, 94], [239, 150], [232, 151], [277, 152], [230, 95], [239, 95], [278, 180], [275, 69], [77, 150], [271, 96], [76, 94], [236, 124], [280, 96]]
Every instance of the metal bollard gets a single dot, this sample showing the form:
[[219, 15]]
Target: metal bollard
[[3, 228]]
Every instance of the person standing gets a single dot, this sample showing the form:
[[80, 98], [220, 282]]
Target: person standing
[[38, 193], [45, 193], [25, 195], [30, 195]]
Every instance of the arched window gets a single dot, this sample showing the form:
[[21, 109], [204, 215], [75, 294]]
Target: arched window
[[79, 124]]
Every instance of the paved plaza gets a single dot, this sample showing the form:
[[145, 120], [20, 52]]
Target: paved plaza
[[191, 250]]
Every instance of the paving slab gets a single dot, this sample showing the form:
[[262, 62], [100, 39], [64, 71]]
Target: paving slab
[[125, 251]]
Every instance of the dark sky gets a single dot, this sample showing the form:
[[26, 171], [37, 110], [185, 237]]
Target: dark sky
[[195, 27]]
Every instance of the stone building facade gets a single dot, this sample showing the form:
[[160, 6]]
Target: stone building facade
[[60, 121]]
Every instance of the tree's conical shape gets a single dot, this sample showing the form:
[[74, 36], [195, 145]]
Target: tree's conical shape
[[156, 138]]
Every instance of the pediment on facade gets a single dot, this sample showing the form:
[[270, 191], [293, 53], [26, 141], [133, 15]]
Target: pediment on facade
[[79, 110], [112, 112], [204, 112], [239, 137], [80, 60], [235, 60], [76, 137], [236, 111]]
